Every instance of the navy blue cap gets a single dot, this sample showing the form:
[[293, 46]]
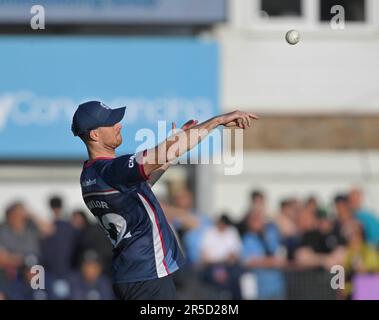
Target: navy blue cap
[[94, 114]]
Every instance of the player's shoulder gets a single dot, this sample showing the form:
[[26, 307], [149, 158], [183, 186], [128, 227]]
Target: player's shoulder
[[94, 166]]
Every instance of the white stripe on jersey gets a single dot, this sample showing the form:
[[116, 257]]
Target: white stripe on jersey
[[158, 249], [85, 195]]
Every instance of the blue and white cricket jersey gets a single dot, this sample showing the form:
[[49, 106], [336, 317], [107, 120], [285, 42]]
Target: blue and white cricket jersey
[[116, 192]]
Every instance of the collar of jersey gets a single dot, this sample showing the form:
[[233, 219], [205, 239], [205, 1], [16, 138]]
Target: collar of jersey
[[88, 163]]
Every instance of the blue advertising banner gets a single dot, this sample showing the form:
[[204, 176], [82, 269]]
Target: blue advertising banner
[[116, 11], [44, 79]]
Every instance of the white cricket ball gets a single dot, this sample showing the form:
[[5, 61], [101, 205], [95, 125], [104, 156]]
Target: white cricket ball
[[293, 37]]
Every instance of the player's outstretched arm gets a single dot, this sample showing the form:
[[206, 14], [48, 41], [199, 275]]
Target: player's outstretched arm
[[157, 173], [179, 143]]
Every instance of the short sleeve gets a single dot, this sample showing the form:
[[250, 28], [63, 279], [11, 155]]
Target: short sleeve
[[125, 170]]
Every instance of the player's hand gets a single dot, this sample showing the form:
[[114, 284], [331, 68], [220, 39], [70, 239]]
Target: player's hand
[[238, 119]]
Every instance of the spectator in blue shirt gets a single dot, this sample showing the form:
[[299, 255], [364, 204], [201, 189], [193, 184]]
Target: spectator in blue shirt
[[261, 254], [193, 236], [367, 218]]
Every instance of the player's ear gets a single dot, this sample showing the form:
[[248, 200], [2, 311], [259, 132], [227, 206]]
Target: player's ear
[[94, 135]]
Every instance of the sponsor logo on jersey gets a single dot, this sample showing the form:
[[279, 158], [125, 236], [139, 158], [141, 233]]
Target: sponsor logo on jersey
[[131, 161], [89, 182]]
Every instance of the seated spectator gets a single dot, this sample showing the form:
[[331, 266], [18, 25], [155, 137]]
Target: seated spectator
[[223, 232], [361, 257], [57, 249], [93, 238], [261, 253], [90, 283], [21, 287], [312, 203], [286, 222], [318, 248], [367, 218], [79, 220], [257, 202], [192, 237], [220, 262], [344, 215], [19, 236]]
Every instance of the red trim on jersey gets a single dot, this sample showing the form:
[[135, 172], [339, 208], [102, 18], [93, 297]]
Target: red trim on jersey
[[141, 168], [89, 163], [160, 232], [142, 171]]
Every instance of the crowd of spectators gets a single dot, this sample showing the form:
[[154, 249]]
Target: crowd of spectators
[[226, 259], [251, 258], [74, 253]]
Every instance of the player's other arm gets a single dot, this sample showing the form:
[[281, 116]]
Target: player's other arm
[[179, 143]]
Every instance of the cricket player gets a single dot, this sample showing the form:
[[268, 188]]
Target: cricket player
[[117, 190]]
